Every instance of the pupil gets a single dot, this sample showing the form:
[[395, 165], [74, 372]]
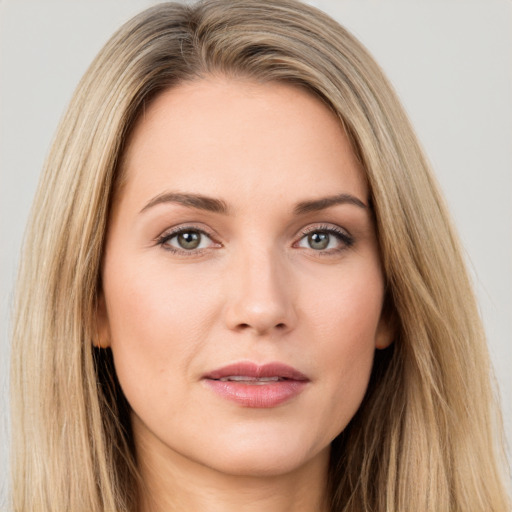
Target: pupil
[[318, 240], [189, 239]]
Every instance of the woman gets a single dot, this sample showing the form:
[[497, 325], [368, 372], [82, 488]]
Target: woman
[[246, 286]]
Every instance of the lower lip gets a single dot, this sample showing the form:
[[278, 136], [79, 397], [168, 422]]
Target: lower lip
[[260, 396]]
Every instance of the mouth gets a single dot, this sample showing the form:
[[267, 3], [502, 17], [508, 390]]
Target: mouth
[[251, 380], [252, 372], [251, 385]]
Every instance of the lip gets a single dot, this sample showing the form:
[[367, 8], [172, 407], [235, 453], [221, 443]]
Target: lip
[[253, 392]]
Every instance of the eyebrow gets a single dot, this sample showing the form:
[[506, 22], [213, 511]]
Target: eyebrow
[[326, 202], [214, 205], [198, 201]]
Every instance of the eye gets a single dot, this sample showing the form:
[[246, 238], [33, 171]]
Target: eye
[[186, 240], [328, 239]]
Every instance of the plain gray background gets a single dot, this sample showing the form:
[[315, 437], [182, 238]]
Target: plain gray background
[[449, 60]]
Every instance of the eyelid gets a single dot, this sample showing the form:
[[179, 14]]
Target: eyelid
[[311, 228]]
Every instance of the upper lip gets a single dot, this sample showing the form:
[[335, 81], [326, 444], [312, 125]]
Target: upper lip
[[249, 369]]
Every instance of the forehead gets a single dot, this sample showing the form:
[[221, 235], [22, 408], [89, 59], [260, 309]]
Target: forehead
[[221, 136]]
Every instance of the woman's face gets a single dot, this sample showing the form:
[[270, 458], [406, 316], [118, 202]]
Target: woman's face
[[241, 279]]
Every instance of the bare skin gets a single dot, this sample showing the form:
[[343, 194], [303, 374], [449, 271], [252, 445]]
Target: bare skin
[[183, 486], [242, 239]]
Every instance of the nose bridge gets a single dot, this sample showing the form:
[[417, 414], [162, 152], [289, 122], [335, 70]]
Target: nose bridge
[[260, 295]]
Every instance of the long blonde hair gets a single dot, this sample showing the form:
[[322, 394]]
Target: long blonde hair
[[427, 436]]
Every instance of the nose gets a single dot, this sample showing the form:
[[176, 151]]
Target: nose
[[260, 295]]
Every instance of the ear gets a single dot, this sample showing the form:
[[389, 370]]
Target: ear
[[384, 335], [102, 325], [387, 328]]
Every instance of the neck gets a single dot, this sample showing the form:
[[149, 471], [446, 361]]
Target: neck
[[173, 483]]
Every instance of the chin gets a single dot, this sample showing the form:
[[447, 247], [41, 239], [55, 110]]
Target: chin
[[268, 457]]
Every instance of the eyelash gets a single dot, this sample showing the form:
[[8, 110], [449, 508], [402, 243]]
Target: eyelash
[[341, 235]]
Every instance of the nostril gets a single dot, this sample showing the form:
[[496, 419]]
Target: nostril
[[243, 326]]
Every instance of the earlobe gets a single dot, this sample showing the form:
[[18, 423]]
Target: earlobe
[[386, 330], [384, 336], [101, 338]]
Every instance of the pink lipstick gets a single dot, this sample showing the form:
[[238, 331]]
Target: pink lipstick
[[251, 385]]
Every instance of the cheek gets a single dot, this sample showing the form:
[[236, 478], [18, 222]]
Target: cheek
[[147, 296], [347, 306], [158, 321], [346, 317]]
